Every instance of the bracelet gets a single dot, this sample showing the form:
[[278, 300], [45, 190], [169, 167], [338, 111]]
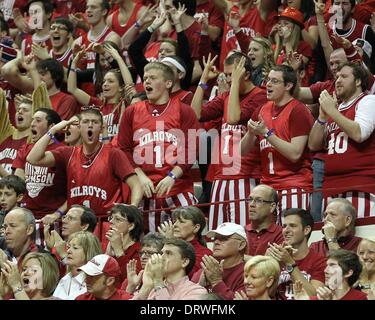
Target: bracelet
[[322, 123], [171, 174], [73, 69], [60, 213], [160, 287], [204, 86], [269, 133], [150, 29], [18, 290], [331, 240], [136, 24], [106, 138], [52, 137]]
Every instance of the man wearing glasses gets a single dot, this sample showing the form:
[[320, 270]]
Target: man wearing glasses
[[223, 271], [262, 204], [282, 129]]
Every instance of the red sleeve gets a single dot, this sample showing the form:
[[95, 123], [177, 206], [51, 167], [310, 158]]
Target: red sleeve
[[68, 107], [318, 272], [311, 22], [120, 164], [216, 18], [251, 106], [301, 121], [213, 109], [305, 49], [95, 101], [193, 33], [317, 88], [243, 40], [125, 134], [20, 161], [131, 253], [62, 156], [189, 122]]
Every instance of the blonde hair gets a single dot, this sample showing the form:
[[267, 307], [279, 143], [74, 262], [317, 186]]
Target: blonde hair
[[167, 71], [267, 267], [269, 60], [50, 270], [89, 242], [294, 40], [364, 277]]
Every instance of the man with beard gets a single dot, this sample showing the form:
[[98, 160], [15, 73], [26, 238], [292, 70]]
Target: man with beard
[[297, 261], [349, 129], [94, 170]]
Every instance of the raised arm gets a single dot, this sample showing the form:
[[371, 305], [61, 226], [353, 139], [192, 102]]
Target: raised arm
[[125, 73], [6, 128], [323, 32], [82, 97], [38, 155], [234, 109], [209, 72]]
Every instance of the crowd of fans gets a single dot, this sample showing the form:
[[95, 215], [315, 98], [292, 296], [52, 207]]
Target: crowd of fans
[[186, 149]]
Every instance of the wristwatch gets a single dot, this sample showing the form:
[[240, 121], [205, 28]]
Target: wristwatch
[[290, 267], [331, 240]]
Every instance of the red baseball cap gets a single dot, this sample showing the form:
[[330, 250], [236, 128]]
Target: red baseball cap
[[293, 14], [102, 264]]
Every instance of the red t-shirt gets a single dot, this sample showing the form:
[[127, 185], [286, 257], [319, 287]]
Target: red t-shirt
[[312, 267], [348, 243], [117, 295], [65, 105], [352, 294], [289, 121], [232, 282], [111, 114], [46, 187], [130, 253], [8, 151], [149, 130], [94, 182], [258, 241], [200, 251]]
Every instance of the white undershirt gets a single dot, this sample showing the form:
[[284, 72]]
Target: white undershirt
[[364, 115]]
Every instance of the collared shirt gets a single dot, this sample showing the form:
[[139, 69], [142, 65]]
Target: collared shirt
[[258, 241], [348, 243], [70, 287], [182, 289]]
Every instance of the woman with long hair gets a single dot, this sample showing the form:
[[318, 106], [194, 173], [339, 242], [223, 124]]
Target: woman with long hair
[[111, 103], [288, 40], [81, 248], [261, 55]]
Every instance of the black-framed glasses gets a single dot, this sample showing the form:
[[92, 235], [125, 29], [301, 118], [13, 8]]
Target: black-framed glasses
[[258, 201]]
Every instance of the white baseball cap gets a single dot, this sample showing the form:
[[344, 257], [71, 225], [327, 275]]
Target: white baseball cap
[[228, 229], [102, 264]]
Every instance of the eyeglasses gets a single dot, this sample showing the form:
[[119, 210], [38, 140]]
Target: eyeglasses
[[117, 219], [225, 238], [258, 202], [147, 253], [58, 27], [68, 218], [274, 81]]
